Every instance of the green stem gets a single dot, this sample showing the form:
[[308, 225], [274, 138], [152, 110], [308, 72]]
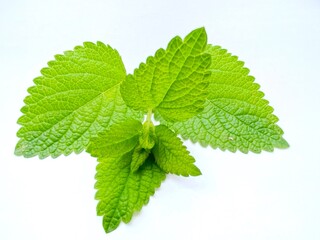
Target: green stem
[[149, 115]]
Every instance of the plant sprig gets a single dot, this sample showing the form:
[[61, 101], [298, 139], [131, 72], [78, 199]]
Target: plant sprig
[[84, 100]]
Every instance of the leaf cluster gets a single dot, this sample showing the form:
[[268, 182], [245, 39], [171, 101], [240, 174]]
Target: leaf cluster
[[85, 100]]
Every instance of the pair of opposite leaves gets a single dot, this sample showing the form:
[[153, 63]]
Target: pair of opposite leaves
[[84, 98]]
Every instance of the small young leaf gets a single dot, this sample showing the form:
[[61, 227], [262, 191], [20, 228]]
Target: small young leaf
[[139, 156], [147, 138], [171, 155], [235, 117], [76, 97], [119, 139], [121, 192], [174, 81]]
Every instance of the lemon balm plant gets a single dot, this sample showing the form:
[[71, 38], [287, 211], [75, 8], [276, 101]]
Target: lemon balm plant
[[85, 100]]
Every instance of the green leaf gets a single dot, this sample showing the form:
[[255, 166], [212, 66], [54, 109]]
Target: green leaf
[[121, 192], [235, 117], [174, 81], [139, 156], [119, 139], [76, 97], [147, 138], [171, 155]]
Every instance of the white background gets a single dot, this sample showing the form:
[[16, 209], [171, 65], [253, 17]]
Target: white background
[[250, 197]]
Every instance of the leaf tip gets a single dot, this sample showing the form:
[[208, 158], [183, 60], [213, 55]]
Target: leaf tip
[[282, 144], [195, 172], [199, 31], [17, 151]]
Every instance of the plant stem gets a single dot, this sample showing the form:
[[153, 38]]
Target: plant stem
[[149, 115]]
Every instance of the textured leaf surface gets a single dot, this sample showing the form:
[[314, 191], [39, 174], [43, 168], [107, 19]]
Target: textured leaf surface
[[171, 155], [119, 139], [121, 192], [76, 97], [235, 117], [174, 81], [147, 137], [139, 156]]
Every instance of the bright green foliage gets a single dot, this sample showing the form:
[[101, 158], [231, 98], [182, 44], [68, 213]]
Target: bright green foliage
[[121, 192], [139, 156], [85, 100], [127, 174], [171, 155], [76, 97], [119, 139], [235, 117], [147, 138], [174, 81], [143, 148]]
